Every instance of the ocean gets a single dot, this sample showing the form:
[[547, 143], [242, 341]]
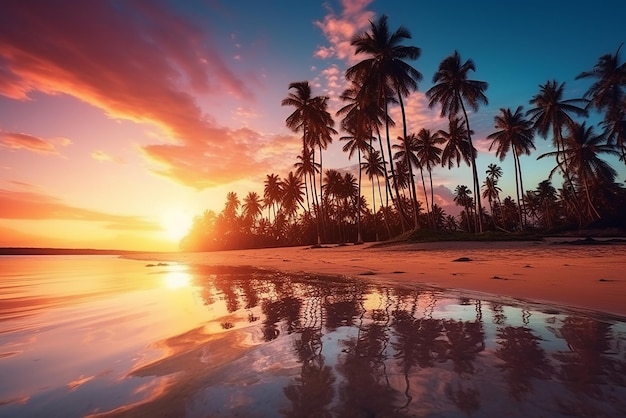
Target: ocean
[[106, 336]]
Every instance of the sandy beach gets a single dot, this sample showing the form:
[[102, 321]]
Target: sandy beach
[[590, 277]]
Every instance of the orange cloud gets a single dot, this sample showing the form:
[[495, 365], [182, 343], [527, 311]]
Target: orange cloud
[[14, 140], [34, 205], [137, 61]]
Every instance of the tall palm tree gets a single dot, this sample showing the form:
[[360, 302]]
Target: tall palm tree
[[429, 154], [310, 117], [452, 91], [581, 152], [516, 134], [553, 113], [385, 68], [607, 94], [320, 138]]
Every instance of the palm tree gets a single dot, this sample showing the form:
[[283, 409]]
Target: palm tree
[[252, 207], [546, 194], [293, 195], [491, 192], [581, 153], [231, 205], [553, 113], [305, 166], [429, 154], [406, 156], [607, 94], [515, 134], [494, 172], [385, 68], [321, 137], [272, 193], [457, 144], [374, 167], [358, 142], [452, 91], [463, 197], [310, 117]]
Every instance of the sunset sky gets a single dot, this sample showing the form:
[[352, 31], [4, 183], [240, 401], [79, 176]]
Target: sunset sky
[[122, 120]]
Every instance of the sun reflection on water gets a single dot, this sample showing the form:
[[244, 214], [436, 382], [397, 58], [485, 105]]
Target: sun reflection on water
[[177, 277]]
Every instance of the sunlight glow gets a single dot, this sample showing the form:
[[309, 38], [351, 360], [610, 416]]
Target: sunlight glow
[[176, 224], [176, 278]]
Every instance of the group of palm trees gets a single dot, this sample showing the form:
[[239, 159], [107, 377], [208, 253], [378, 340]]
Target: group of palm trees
[[327, 205]]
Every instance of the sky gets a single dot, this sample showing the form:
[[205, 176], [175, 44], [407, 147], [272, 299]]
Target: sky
[[122, 120]]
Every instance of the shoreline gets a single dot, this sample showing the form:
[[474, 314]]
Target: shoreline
[[588, 277]]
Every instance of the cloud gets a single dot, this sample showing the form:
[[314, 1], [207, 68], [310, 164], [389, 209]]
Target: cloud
[[418, 115], [34, 205], [339, 30], [137, 61], [100, 155], [15, 140]]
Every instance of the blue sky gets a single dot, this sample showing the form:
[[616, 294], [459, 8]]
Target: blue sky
[[119, 120]]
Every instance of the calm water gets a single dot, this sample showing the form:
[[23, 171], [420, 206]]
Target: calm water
[[98, 335]]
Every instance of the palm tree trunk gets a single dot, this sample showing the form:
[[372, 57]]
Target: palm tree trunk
[[322, 209], [316, 203], [406, 152], [592, 208], [519, 202], [563, 165], [521, 185], [384, 210], [474, 170], [359, 240], [425, 196], [432, 196], [403, 220]]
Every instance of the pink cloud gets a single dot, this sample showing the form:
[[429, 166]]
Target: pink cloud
[[339, 30], [15, 140], [137, 61], [418, 115], [34, 205]]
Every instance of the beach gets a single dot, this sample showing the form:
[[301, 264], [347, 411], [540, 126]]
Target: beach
[[554, 271]]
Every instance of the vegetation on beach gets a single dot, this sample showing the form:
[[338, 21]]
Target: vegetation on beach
[[313, 205]]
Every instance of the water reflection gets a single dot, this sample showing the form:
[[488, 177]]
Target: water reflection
[[176, 277], [274, 344]]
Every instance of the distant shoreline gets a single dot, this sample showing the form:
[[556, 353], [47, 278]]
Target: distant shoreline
[[63, 251]]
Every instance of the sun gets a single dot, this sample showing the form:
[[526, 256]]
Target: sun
[[175, 224]]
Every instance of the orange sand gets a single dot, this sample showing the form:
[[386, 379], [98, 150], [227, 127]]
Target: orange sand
[[590, 277]]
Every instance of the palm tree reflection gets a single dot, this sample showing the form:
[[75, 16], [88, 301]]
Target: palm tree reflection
[[523, 358], [378, 333]]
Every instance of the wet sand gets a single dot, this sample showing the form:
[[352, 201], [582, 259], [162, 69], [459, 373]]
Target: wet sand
[[591, 277]]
